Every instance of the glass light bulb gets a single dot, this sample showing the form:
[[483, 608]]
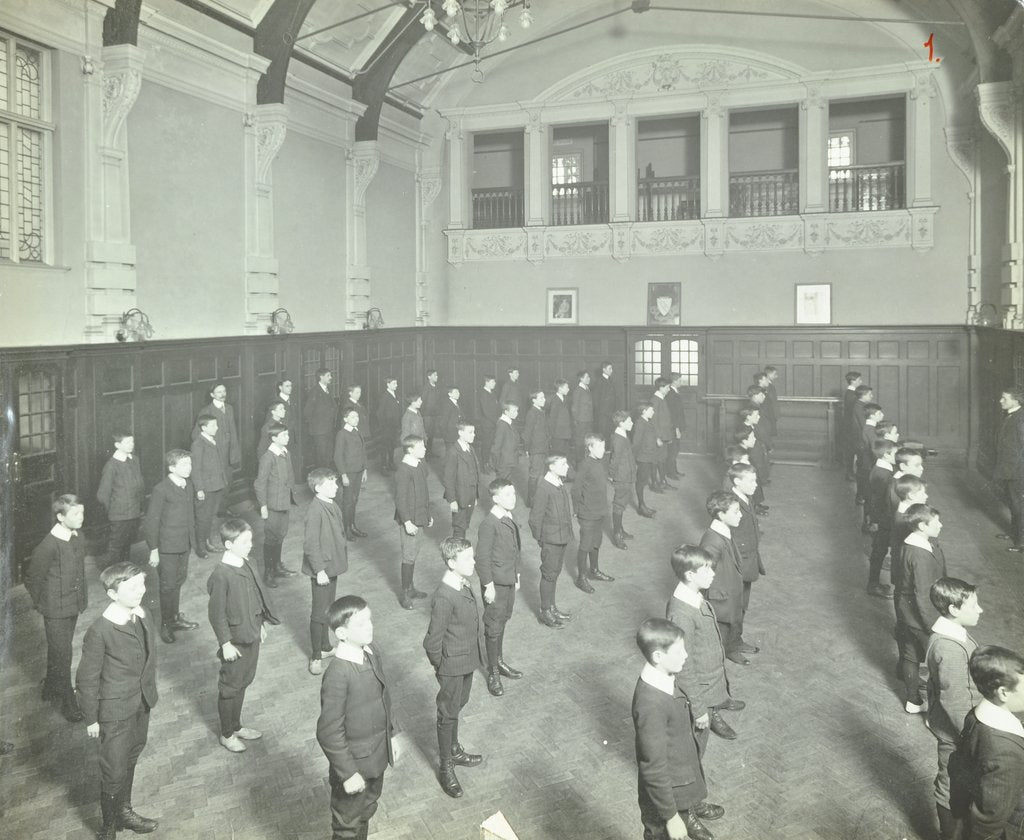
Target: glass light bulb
[[499, 6], [525, 19], [454, 36], [503, 33], [451, 7], [429, 19]]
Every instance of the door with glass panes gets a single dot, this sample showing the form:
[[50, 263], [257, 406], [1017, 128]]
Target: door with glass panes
[[654, 354]]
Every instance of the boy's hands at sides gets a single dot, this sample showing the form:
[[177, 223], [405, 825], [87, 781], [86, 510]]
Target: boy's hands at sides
[[322, 579], [411, 529], [230, 652], [676, 828], [354, 784], [454, 507], [264, 512], [703, 722], [93, 730], [489, 593], [397, 747], [263, 633], [154, 558]]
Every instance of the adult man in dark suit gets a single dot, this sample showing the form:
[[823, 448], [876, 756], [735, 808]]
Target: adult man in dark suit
[[229, 446], [462, 478], [606, 400], [320, 411], [676, 409], [449, 417], [1009, 464], [389, 423]]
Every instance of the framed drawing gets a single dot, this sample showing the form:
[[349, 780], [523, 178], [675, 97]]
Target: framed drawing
[[814, 303], [564, 306], [663, 304]]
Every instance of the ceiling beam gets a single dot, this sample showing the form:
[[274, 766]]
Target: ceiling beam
[[274, 39], [121, 23]]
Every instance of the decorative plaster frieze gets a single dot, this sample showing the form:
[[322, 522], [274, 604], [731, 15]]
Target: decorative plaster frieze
[[577, 242], [365, 158], [535, 244], [496, 246], [669, 238], [122, 81], [814, 234], [763, 234], [430, 186], [862, 230], [922, 228], [271, 122]]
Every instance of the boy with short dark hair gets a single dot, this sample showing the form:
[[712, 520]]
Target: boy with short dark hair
[[324, 557], [239, 612], [560, 420], [645, 453], [873, 415], [55, 578], [987, 770], [879, 514], [847, 443], [208, 479], [747, 539], [622, 472], [412, 513], [703, 676], [757, 455], [430, 409], [412, 420], [170, 530], [454, 644], [922, 563], [350, 461], [671, 784], [121, 493], [273, 487], [726, 592], [498, 551], [276, 413], [511, 388], [356, 728], [855, 429], [507, 443], [117, 686], [449, 418], [951, 692], [487, 420], [590, 501], [461, 478], [664, 429], [536, 442], [551, 526], [389, 421], [582, 414]]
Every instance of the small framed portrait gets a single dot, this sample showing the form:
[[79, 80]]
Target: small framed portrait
[[663, 304], [564, 306], [813, 303]]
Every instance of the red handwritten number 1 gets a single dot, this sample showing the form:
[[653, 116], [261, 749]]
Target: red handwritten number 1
[[930, 43]]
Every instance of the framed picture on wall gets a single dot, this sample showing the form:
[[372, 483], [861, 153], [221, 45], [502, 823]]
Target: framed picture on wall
[[663, 304], [814, 303], [564, 306]]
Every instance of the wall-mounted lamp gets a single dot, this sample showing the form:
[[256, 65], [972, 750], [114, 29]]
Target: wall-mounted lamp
[[988, 315], [135, 326], [374, 319], [280, 322]]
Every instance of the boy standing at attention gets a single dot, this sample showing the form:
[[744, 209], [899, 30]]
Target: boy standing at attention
[[560, 420], [498, 551], [455, 647], [671, 784], [536, 442], [551, 526], [170, 529], [726, 592], [622, 472], [461, 479], [664, 429], [117, 686], [505, 449], [879, 514], [121, 493], [238, 612], [645, 453], [488, 416], [350, 461], [356, 728], [208, 479], [412, 513], [590, 501], [747, 539], [324, 557], [951, 691], [55, 579], [273, 488], [389, 421], [412, 420]]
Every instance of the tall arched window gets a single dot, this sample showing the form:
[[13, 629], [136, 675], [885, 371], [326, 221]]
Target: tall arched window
[[646, 361], [685, 360]]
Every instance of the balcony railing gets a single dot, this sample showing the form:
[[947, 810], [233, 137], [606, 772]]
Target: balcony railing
[[667, 199], [582, 203], [498, 207], [872, 187], [764, 193]]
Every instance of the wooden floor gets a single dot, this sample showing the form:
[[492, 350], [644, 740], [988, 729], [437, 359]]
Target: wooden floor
[[825, 749]]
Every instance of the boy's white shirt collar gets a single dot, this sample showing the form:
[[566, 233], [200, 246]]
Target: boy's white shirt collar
[[881, 462], [463, 445], [233, 560], [904, 506], [870, 422], [999, 718], [688, 596], [62, 532], [349, 427], [117, 614], [210, 439], [657, 679], [737, 491], [551, 478], [410, 460], [413, 410], [945, 627], [659, 395], [177, 480], [323, 387], [1011, 410], [277, 450], [620, 431], [453, 580], [719, 527], [506, 418], [500, 512], [350, 653], [920, 540], [218, 404], [121, 456]]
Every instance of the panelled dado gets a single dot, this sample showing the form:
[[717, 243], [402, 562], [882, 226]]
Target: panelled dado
[[691, 81]]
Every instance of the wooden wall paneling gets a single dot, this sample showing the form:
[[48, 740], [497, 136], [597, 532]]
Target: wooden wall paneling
[[885, 383]]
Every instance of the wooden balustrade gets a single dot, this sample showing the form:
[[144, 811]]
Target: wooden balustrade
[[764, 193], [498, 207], [667, 199], [582, 203], [870, 187]]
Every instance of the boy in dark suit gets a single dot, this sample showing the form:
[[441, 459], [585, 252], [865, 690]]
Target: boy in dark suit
[[622, 472], [121, 493], [582, 414], [551, 526], [590, 501], [664, 430], [431, 408], [645, 453], [356, 728], [273, 488], [389, 422], [873, 415], [488, 412], [239, 612], [507, 443], [703, 675], [208, 480], [412, 513], [320, 411], [454, 643], [560, 420], [170, 530], [229, 445], [605, 400], [676, 408], [987, 770], [847, 442], [1008, 469], [726, 593], [757, 455], [276, 414], [350, 461], [747, 539], [55, 578], [879, 514], [511, 388], [462, 479], [354, 393], [536, 441], [855, 429], [498, 551], [771, 402], [671, 784], [922, 563], [324, 557], [117, 686], [450, 415], [412, 420]]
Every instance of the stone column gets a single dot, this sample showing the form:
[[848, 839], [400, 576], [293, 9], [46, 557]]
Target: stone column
[[813, 152], [264, 131], [919, 141], [714, 160], [362, 163], [538, 171], [111, 88], [459, 214], [428, 187], [622, 164]]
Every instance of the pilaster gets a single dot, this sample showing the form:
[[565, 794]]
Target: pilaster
[[919, 140], [428, 187], [362, 163], [538, 170], [714, 159], [813, 164], [458, 213], [623, 164]]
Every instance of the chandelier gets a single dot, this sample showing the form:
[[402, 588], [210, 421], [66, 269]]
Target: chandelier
[[476, 23]]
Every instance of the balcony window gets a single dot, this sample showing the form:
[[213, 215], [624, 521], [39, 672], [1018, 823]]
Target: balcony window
[[498, 180], [668, 169], [866, 155], [763, 153], [579, 175]]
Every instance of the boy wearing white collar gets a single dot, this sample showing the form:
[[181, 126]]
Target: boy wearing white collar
[[726, 593], [879, 513], [951, 691], [117, 686], [122, 493], [987, 769], [670, 778]]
